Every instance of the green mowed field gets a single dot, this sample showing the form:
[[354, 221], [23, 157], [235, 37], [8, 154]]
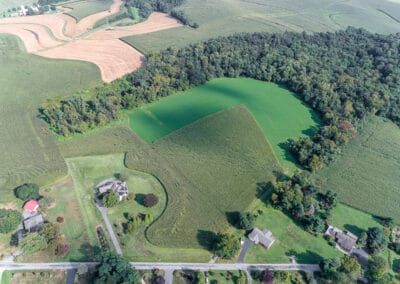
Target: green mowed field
[[82, 9], [366, 175], [225, 17], [278, 112], [29, 151], [213, 178], [290, 239]]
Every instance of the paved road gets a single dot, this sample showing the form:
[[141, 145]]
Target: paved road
[[243, 252], [169, 276], [71, 276], [103, 212], [163, 266]]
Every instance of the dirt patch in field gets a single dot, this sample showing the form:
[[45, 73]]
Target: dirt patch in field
[[113, 57], [156, 22]]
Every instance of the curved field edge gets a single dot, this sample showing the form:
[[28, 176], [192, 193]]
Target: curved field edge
[[213, 179], [280, 114], [366, 175], [29, 152]]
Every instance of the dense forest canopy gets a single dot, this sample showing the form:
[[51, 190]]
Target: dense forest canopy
[[345, 76], [146, 7]]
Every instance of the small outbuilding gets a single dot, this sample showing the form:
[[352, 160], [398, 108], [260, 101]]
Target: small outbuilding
[[265, 237], [345, 241], [34, 223], [31, 205]]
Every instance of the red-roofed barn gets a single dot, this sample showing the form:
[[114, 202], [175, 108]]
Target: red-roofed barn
[[31, 205]]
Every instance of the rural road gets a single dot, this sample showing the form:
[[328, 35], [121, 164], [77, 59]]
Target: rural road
[[244, 250], [167, 267], [103, 212]]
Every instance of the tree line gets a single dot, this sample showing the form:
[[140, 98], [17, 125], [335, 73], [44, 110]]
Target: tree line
[[344, 76]]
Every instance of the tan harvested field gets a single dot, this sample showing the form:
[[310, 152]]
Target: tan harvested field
[[35, 37], [52, 22], [59, 36], [156, 22], [113, 57]]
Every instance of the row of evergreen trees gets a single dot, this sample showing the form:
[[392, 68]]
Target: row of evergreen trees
[[344, 76]]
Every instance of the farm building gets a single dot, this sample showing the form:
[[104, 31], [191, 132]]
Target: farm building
[[265, 237], [34, 223], [117, 186], [345, 241], [31, 205]]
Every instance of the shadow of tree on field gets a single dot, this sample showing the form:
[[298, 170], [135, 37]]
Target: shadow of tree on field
[[353, 229], [206, 239], [232, 218], [87, 252], [139, 198], [307, 257]]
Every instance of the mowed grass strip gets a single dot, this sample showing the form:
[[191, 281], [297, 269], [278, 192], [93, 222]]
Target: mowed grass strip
[[226, 17], [82, 9], [278, 112], [219, 160], [29, 151], [366, 175]]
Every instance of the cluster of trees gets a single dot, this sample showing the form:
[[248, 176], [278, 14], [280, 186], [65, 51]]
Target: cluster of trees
[[114, 269], [110, 199], [299, 197], [9, 220], [343, 270], [27, 191], [146, 7], [47, 237], [226, 245], [344, 76], [135, 220], [150, 200]]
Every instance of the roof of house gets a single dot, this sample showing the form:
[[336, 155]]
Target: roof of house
[[264, 237], [345, 240], [33, 223], [31, 205], [111, 184]]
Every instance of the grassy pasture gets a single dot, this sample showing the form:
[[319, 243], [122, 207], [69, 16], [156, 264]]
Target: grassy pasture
[[82, 9], [278, 112], [225, 17], [289, 237], [213, 178], [366, 175], [29, 151]]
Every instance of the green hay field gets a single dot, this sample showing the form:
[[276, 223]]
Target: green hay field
[[86, 8], [366, 175], [213, 178], [278, 112], [29, 151], [225, 17]]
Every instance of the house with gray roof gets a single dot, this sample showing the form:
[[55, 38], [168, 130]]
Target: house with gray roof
[[119, 187], [34, 223], [345, 241], [265, 237]]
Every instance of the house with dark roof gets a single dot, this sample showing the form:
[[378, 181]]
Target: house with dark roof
[[345, 241], [34, 223], [265, 237], [119, 187]]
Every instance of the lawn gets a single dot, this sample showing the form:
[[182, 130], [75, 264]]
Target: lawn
[[225, 17], [33, 277], [366, 175], [290, 238], [29, 151], [82, 9], [278, 112]]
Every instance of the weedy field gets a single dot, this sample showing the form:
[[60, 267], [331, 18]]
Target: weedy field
[[366, 175], [29, 151], [224, 17], [82, 9], [214, 180], [277, 111]]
